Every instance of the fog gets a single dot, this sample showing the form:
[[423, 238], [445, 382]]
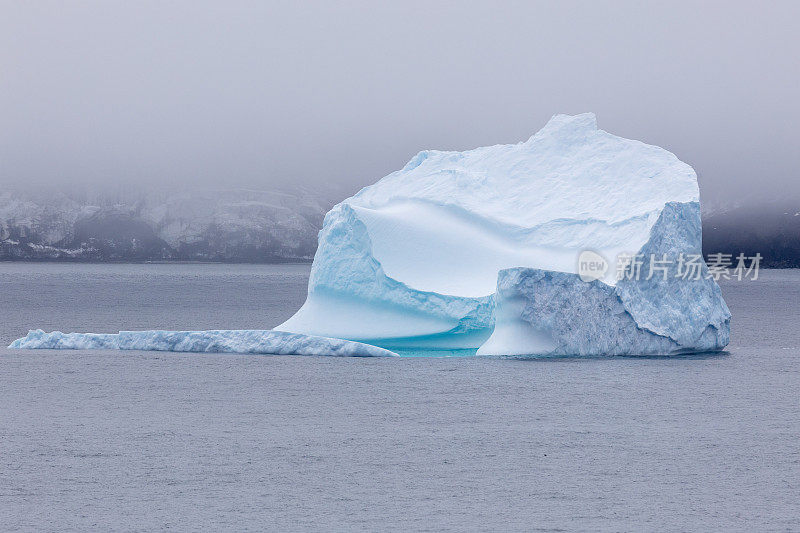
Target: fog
[[267, 94]]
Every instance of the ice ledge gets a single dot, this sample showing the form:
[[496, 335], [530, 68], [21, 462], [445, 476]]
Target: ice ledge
[[216, 341], [543, 312]]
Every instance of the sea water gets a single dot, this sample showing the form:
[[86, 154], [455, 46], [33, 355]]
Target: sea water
[[141, 440]]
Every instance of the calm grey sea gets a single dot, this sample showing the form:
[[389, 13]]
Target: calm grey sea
[[139, 441]]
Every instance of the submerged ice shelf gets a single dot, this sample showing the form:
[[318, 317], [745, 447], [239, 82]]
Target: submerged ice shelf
[[219, 341]]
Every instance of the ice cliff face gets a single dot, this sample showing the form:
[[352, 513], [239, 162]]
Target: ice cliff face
[[413, 260], [542, 312]]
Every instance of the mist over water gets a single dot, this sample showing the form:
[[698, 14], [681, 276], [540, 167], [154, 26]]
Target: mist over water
[[130, 96]]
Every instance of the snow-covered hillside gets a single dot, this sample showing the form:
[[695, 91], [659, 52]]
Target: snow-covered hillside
[[768, 226], [205, 225]]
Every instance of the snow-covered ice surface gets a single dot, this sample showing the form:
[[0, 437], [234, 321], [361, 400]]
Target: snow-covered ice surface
[[413, 260], [219, 341]]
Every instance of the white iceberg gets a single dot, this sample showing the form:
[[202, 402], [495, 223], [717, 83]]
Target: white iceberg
[[480, 249], [219, 341], [413, 260]]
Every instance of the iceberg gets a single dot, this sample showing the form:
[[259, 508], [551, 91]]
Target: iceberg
[[219, 341], [519, 249], [480, 249]]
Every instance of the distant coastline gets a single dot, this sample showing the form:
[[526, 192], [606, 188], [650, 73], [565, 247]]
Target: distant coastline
[[201, 225], [279, 226]]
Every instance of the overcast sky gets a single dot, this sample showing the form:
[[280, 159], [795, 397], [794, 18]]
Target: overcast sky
[[272, 92]]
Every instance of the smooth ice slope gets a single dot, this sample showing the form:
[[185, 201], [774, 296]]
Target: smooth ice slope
[[412, 261], [221, 341]]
